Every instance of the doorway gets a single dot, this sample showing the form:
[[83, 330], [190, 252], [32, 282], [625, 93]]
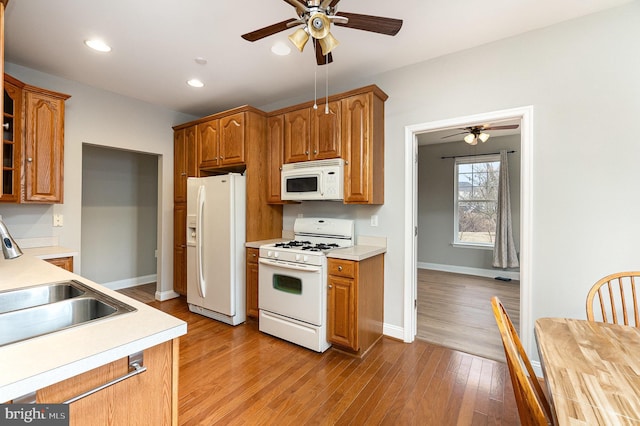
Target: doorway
[[525, 116], [119, 216]]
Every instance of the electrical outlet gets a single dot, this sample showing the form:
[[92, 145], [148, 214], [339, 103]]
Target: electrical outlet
[[374, 220], [57, 220]]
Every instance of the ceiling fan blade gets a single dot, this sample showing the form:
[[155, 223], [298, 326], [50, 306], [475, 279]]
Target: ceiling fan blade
[[299, 5], [455, 134], [511, 126], [267, 31], [320, 58], [375, 24]]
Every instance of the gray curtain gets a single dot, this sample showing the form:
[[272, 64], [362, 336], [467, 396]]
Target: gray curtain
[[504, 249]]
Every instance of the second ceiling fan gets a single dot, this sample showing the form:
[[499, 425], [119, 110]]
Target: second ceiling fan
[[316, 17], [477, 133]]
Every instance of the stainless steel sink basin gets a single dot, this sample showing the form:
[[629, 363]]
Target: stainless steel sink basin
[[87, 306], [13, 300]]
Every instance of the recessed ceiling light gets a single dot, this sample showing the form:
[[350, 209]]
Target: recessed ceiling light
[[194, 82], [200, 60], [281, 49], [98, 45]]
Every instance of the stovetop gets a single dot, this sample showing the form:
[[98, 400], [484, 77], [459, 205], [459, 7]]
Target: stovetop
[[306, 246]]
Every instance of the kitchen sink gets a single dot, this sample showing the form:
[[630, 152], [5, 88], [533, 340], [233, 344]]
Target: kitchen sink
[[13, 300], [87, 305]]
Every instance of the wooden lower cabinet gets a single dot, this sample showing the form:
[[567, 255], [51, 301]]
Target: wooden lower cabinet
[[62, 262], [180, 248], [252, 282], [149, 398], [355, 303]]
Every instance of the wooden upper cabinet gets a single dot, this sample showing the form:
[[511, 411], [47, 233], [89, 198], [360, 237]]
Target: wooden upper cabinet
[[221, 141], [326, 131], [11, 145], [184, 161], [207, 137], [363, 148], [275, 140], [232, 139], [43, 145], [312, 134], [297, 135]]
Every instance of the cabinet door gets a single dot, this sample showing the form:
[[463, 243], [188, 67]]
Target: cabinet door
[[356, 143], [297, 135], [207, 135], [275, 139], [44, 148], [144, 399], [252, 282], [179, 167], [191, 143], [232, 139], [180, 248], [326, 131], [342, 327], [11, 144]]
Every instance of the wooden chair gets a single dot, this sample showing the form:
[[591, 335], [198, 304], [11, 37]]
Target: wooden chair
[[617, 298], [533, 407]]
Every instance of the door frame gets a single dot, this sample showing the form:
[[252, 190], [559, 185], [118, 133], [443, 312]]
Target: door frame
[[525, 115]]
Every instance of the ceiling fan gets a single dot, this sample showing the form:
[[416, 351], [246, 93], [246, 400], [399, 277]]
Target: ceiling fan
[[475, 133], [316, 17]]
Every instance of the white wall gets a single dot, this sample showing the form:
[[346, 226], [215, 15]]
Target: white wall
[[101, 118], [582, 77]]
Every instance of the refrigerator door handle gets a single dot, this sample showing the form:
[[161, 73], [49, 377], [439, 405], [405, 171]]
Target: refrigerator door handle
[[199, 246]]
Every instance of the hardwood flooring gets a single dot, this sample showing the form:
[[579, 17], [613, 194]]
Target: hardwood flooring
[[240, 376], [454, 310], [144, 293]]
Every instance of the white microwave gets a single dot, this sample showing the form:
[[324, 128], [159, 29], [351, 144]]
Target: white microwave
[[313, 180]]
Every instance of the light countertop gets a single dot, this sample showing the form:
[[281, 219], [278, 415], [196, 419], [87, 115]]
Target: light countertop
[[41, 361], [50, 252]]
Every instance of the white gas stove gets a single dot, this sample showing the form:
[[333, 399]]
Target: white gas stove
[[292, 283]]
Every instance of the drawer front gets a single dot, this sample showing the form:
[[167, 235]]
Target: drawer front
[[342, 268]]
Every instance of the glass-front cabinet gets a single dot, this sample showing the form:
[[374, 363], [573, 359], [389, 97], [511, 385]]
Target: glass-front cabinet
[[11, 140]]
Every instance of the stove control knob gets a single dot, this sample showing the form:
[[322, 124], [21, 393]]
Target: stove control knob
[[305, 258], [298, 257], [276, 254], [269, 253]]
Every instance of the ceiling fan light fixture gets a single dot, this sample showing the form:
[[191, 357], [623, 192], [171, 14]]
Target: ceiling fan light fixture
[[328, 43], [483, 137], [471, 139], [319, 25], [299, 38]]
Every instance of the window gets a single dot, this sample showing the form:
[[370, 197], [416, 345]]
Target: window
[[476, 200]]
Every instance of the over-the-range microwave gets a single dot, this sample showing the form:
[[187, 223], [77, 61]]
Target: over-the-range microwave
[[313, 180]]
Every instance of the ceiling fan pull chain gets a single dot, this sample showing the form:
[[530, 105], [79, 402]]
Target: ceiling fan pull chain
[[315, 81], [326, 104]]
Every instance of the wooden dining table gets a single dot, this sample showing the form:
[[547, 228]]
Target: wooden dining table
[[592, 371]]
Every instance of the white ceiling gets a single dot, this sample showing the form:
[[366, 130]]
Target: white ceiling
[[155, 43]]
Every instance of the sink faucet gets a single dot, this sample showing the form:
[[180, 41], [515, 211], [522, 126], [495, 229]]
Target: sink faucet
[[9, 247]]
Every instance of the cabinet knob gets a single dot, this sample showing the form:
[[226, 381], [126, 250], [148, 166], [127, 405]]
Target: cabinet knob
[[330, 286], [253, 255], [6, 126], [183, 174], [315, 151], [339, 268], [29, 159], [306, 153], [346, 163]]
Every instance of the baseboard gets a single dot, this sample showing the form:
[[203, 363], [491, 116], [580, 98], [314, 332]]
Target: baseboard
[[166, 295], [488, 273], [393, 331], [131, 282]]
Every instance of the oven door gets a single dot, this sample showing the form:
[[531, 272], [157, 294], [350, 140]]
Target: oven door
[[293, 290]]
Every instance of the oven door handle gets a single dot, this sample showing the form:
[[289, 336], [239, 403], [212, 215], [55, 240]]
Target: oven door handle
[[290, 265]]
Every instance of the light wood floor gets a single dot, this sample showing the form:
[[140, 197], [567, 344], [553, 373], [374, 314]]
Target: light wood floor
[[240, 376], [454, 310]]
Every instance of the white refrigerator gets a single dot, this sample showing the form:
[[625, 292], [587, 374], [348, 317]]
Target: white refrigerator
[[215, 247]]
